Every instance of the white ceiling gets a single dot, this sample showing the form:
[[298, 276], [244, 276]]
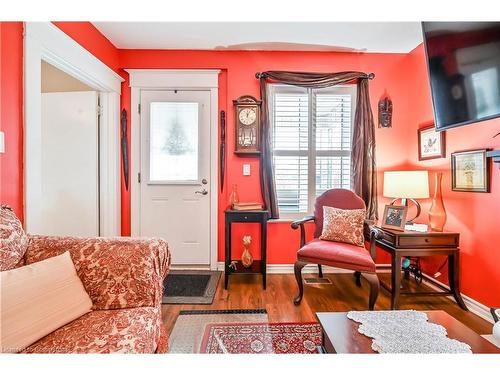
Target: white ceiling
[[384, 37]]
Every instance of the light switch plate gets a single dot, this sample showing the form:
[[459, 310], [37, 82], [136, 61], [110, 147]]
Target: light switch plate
[[246, 169]]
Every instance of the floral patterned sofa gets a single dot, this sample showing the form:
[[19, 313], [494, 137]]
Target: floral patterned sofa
[[123, 277]]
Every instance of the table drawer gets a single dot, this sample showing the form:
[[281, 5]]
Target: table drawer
[[427, 241]]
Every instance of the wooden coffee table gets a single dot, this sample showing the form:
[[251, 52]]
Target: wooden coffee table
[[340, 334]]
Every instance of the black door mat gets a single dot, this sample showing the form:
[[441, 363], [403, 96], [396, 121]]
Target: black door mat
[[190, 287]]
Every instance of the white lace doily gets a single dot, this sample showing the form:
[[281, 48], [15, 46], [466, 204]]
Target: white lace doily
[[405, 331]]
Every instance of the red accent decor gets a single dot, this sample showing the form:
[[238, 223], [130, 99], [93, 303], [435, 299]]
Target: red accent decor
[[338, 198], [337, 254], [259, 338]]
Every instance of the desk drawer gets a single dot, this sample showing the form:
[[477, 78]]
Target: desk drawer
[[427, 241]]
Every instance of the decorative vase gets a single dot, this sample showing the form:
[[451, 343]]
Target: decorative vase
[[437, 213], [246, 257], [233, 197]]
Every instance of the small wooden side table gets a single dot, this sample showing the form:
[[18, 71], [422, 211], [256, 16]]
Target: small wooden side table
[[258, 266], [418, 244]]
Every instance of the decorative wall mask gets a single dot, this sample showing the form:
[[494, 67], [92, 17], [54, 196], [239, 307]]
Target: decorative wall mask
[[385, 113]]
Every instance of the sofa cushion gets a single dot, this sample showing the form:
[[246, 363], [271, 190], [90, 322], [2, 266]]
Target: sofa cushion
[[337, 254], [14, 241], [135, 330], [343, 225], [38, 299]]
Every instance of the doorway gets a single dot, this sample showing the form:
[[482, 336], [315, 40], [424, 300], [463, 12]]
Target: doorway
[[43, 41], [174, 162], [175, 172], [70, 156]]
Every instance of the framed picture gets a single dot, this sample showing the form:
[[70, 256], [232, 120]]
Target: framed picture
[[431, 144], [394, 217], [470, 171]]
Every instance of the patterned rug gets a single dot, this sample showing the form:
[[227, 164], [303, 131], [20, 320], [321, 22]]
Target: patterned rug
[[261, 338], [190, 325]]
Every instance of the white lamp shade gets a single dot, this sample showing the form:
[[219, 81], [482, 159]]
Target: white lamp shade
[[406, 184]]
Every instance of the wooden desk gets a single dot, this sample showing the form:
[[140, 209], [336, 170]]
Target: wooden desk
[[340, 334], [416, 244], [258, 266]]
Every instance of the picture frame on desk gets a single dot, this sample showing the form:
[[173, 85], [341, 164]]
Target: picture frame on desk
[[394, 217]]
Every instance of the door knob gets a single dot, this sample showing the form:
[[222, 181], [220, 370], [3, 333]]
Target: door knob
[[202, 192]]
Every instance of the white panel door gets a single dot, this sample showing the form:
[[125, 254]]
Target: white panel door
[[175, 172], [70, 170]]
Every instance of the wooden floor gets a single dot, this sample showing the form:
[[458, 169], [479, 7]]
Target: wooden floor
[[245, 292]]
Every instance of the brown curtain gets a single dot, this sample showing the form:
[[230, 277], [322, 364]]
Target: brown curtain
[[363, 144]]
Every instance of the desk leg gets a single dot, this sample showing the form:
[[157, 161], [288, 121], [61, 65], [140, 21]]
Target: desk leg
[[263, 247], [453, 278], [227, 260], [395, 280]]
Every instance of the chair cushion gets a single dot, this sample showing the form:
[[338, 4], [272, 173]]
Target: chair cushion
[[12, 238], [338, 198], [343, 225], [337, 254], [135, 330]]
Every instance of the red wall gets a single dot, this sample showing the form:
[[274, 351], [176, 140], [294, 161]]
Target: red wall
[[238, 78], [476, 216], [403, 77], [11, 114], [93, 41]]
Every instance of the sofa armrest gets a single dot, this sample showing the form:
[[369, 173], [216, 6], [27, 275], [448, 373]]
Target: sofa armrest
[[116, 272], [301, 223]]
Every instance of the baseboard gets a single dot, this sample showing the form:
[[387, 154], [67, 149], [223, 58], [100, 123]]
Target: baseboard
[[310, 268], [474, 306]]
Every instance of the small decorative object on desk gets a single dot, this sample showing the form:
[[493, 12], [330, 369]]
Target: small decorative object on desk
[[234, 198], [405, 331], [247, 206], [437, 212], [422, 228], [246, 257], [394, 217]]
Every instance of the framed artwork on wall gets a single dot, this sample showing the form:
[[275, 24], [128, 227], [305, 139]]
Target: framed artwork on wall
[[394, 217], [470, 171], [431, 144]]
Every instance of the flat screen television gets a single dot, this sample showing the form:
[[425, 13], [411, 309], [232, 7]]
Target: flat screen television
[[463, 60]]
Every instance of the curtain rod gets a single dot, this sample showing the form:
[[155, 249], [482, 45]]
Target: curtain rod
[[259, 75]]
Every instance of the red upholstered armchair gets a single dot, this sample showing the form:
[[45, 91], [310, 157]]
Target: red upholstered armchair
[[335, 254]]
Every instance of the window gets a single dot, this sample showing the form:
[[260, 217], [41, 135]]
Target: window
[[312, 132], [173, 151]]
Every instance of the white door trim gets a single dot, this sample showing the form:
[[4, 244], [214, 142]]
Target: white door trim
[[45, 41], [166, 79]]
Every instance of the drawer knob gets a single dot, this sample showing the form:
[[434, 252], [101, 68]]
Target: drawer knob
[[245, 217], [426, 240]]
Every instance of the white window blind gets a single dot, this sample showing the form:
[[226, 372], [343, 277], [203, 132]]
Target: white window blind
[[312, 132]]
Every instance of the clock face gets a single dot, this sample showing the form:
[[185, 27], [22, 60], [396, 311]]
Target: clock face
[[247, 116]]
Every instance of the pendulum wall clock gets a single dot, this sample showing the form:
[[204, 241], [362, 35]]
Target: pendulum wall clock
[[247, 125]]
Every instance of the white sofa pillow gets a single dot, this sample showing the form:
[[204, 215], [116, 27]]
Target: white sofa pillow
[[37, 299]]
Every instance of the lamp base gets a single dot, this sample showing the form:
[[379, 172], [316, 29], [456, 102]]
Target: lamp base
[[404, 202]]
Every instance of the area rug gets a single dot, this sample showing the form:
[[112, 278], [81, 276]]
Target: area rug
[[258, 338], [189, 328], [190, 287]]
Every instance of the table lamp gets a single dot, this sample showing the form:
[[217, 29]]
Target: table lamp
[[407, 186]]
